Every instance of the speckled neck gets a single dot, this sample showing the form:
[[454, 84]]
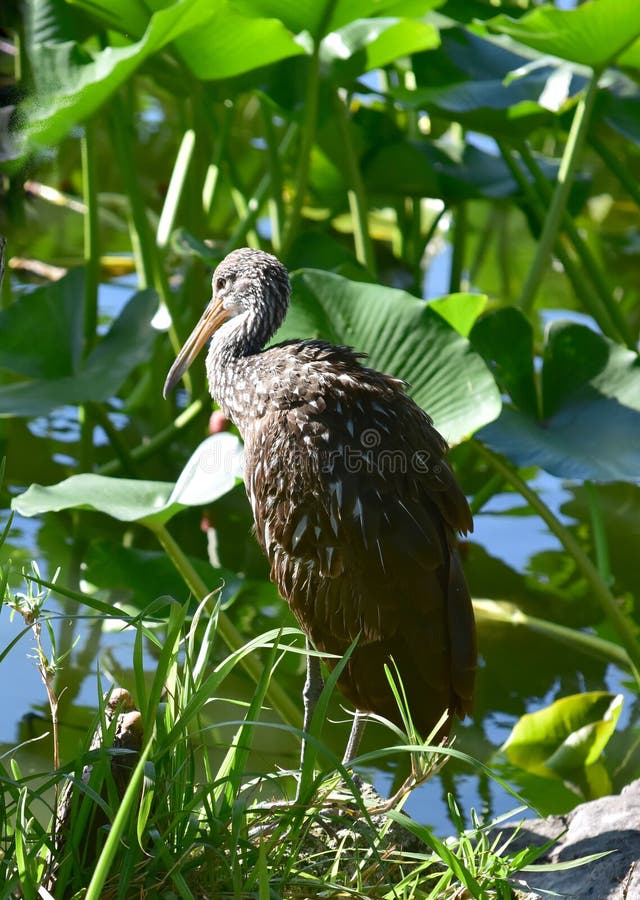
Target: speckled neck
[[235, 363]]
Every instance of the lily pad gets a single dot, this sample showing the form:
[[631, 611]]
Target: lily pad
[[211, 472], [403, 336]]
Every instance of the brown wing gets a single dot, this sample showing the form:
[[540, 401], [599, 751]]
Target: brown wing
[[357, 509]]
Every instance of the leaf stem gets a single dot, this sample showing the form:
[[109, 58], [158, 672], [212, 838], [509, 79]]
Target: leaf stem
[[623, 174], [159, 440], [356, 192], [500, 611], [238, 236], [308, 133], [599, 532], [488, 490], [97, 412], [141, 237], [600, 590], [583, 252], [176, 187], [279, 698], [276, 205], [219, 137], [570, 157], [459, 245], [150, 267], [582, 287], [91, 244]]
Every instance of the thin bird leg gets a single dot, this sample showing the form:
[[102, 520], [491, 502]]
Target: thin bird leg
[[357, 730], [312, 689]]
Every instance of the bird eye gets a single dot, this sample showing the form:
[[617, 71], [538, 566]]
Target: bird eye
[[221, 284]]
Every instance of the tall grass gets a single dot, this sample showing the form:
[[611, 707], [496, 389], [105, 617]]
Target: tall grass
[[188, 827]]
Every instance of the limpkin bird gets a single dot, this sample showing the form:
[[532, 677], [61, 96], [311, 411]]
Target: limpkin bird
[[354, 502]]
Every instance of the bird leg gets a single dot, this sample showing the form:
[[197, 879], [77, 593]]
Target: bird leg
[[311, 692], [357, 730]]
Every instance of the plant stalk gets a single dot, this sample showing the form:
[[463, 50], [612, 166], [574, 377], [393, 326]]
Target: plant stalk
[[600, 590], [356, 193], [591, 267], [150, 267], [158, 441], [583, 288], [500, 611], [176, 188], [91, 244], [459, 244], [259, 195], [568, 166], [599, 533], [279, 699], [308, 134], [276, 205]]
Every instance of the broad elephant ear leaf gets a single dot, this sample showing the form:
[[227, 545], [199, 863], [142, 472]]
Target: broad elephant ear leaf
[[71, 380], [212, 471], [403, 336], [594, 35], [590, 392]]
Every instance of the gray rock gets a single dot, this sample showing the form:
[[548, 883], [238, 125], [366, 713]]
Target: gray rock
[[608, 824]]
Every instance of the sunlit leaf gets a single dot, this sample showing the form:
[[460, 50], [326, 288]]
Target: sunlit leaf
[[486, 86], [594, 34], [460, 310], [230, 43], [568, 735], [210, 473], [221, 42], [366, 44], [404, 337]]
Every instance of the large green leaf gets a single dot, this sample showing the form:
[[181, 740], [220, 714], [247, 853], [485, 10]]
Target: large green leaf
[[319, 17], [590, 396], [566, 736], [127, 344], [215, 41], [595, 34], [230, 43], [41, 333], [486, 86], [505, 340], [402, 336], [366, 44], [211, 472]]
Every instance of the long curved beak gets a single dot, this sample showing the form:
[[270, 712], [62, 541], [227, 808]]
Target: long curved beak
[[212, 318]]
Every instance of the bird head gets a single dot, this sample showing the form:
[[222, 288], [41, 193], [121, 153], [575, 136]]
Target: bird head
[[249, 286]]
